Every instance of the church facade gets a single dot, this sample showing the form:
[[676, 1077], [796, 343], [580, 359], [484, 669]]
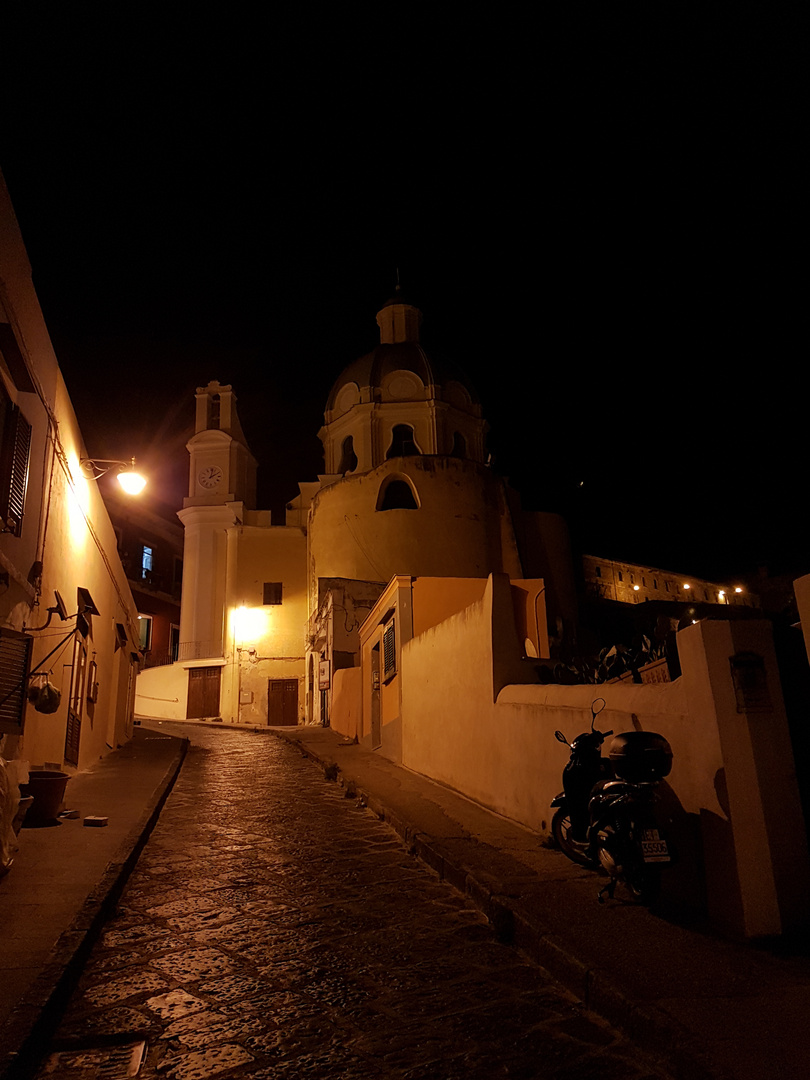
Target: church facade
[[272, 613]]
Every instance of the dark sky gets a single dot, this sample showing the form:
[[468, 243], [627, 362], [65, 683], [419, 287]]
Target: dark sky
[[602, 219]]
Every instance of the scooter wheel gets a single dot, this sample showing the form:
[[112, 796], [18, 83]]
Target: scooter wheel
[[561, 828]]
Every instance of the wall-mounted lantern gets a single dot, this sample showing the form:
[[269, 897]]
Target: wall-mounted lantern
[[130, 480]]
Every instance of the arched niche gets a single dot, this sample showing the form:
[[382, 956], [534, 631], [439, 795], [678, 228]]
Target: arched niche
[[397, 492], [348, 396], [402, 386]]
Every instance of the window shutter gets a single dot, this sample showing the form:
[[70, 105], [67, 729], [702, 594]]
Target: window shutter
[[14, 469], [389, 650], [15, 655]]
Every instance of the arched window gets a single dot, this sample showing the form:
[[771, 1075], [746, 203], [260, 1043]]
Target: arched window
[[397, 494], [348, 459], [459, 445], [402, 442]]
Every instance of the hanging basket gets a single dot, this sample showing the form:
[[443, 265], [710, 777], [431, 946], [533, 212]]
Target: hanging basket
[[44, 697]]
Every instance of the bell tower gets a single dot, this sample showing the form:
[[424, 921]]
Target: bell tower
[[221, 468], [221, 486]]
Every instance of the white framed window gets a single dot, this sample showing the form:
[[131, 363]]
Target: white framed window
[[145, 632], [146, 562]]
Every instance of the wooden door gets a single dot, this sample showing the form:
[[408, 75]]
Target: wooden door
[[282, 702], [203, 692]]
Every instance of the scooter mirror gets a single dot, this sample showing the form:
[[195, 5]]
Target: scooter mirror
[[596, 708], [558, 735]]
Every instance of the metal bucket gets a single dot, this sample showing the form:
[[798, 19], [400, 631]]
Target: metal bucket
[[48, 790]]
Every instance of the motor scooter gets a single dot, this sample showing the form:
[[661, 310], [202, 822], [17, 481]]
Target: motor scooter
[[605, 817]]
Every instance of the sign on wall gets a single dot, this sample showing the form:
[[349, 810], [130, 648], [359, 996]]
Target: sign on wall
[[323, 675]]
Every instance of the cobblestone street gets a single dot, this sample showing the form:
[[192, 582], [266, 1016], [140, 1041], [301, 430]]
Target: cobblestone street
[[275, 928]]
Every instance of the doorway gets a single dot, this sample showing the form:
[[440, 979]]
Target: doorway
[[282, 702], [203, 692]]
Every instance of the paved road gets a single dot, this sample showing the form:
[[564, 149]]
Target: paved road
[[274, 928]]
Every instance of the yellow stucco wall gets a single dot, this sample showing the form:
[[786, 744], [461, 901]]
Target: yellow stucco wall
[[456, 532], [732, 777], [263, 642]]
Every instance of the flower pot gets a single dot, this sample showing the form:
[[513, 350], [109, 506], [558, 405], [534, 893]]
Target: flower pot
[[48, 790]]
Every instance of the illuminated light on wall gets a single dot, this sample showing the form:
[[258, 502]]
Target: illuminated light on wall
[[721, 596], [78, 508], [636, 588], [737, 589], [250, 624], [686, 585]]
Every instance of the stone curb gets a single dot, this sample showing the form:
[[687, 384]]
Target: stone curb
[[649, 1027], [36, 1017]]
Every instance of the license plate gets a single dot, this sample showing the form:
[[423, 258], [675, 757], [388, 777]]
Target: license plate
[[654, 847]]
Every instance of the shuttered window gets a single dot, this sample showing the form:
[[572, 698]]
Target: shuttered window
[[389, 650], [15, 654], [15, 447]]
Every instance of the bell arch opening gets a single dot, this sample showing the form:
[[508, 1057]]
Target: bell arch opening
[[348, 458], [403, 443], [459, 445]]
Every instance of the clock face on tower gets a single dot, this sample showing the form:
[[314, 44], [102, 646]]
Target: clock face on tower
[[210, 477]]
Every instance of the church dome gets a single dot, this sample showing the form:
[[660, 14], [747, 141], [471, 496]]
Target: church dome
[[373, 373], [386, 368], [397, 401]]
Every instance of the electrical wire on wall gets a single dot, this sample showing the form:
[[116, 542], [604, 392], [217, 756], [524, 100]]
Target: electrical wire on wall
[[58, 453]]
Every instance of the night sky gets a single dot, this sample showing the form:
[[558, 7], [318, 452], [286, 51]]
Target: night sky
[[603, 221]]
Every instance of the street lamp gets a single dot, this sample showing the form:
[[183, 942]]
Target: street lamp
[[131, 481]]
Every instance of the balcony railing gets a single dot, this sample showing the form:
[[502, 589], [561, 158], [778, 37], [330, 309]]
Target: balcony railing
[[199, 650], [158, 659]]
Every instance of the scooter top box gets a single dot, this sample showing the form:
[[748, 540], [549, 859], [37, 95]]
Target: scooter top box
[[640, 756]]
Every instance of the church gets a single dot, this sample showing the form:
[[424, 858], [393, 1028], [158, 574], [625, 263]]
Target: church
[[408, 602], [271, 617]]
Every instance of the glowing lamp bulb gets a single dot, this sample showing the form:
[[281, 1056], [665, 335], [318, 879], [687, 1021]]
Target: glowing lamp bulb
[[636, 588], [687, 586], [132, 482], [738, 589]]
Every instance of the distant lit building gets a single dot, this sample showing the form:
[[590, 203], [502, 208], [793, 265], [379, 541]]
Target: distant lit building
[[632, 583]]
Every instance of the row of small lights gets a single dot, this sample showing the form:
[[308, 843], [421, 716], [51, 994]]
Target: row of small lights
[[721, 594]]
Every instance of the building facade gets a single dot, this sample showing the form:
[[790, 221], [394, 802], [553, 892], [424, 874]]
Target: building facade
[[151, 551], [632, 583], [271, 612], [69, 633]]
